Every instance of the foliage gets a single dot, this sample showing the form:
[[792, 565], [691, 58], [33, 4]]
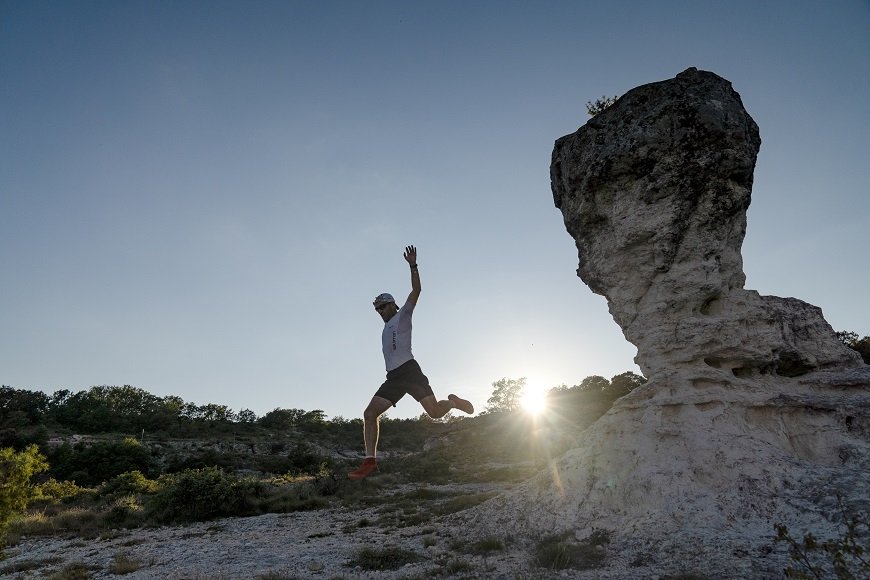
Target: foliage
[[506, 395], [54, 490], [624, 383], [111, 409], [19, 408], [844, 557], [92, 464], [203, 494], [501, 433], [594, 396], [304, 460], [21, 437], [128, 483], [16, 490], [859, 345], [599, 105]]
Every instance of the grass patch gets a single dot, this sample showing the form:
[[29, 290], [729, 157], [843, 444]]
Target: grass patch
[[389, 558], [75, 571], [559, 552], [485, 546], [462, 502], [414, 519], [458, 566], [123, 564], [275, 576], [27, 565]]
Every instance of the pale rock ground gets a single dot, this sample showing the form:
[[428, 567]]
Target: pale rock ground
[[313, 544]]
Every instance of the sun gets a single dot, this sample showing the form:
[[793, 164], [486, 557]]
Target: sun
[[534, 399]]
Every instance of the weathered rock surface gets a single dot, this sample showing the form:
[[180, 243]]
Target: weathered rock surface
[[654, 190], [754, 412]]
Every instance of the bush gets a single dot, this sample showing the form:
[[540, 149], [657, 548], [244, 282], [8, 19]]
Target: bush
[[203, 494], [54, 490], [125, 512], [98, 462], [16, 490], [129, 483]]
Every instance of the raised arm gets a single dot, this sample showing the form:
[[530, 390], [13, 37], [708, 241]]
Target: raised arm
[[411, 258]]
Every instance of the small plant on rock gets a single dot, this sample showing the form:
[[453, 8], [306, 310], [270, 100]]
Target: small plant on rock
[[599, 105], [844, 557]]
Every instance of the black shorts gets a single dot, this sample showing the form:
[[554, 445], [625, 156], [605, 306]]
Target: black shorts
[[407, 378]]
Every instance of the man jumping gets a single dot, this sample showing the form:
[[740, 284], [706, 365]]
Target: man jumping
[[403, 373]]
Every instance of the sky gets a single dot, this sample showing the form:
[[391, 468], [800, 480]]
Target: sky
[[202, 199]]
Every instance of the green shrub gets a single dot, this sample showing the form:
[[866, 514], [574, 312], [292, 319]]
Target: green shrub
[[203, 494], [16, 490], [92, 464], [124, 512], [389, 558], [54, 490], [130, 482]]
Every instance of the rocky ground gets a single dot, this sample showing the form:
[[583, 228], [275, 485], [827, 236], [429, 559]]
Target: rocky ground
[[325, 543]]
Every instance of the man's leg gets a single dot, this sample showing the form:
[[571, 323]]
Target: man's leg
[[371, 423], [376, 408], [437, 409]]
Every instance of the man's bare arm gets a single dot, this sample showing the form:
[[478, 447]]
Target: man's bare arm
[[411, 258]]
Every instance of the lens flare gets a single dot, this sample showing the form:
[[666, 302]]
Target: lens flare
[[534, 400]]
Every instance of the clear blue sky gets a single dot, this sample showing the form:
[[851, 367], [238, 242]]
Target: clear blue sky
[[203, 198]]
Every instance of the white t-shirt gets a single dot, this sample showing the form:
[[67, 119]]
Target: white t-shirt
[[396, 338]]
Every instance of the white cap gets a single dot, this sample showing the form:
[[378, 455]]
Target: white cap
[[383, 299]]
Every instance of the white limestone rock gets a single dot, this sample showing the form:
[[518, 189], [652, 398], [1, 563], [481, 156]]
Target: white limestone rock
[[754, 413], [655, 190]]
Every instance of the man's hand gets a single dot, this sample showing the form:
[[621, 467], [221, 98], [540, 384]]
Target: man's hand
[[411, 258], [411, 255]]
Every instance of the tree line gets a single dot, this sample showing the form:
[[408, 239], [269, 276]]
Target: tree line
[[859, 345], [128, 409], [29, 416]]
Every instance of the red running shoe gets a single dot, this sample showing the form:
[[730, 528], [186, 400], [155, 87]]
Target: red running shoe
[[368, 465], [462, 404]]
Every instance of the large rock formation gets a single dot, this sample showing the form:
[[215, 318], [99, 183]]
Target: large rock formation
[[754, 412], [655, 191]]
